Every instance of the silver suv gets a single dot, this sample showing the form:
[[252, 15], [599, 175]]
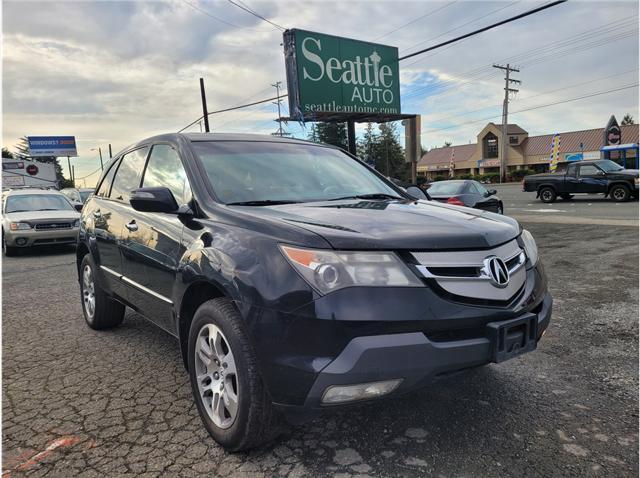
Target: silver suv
[[35, 217]]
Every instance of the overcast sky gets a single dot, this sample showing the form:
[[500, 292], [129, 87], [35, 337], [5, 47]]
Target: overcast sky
[[116, 72]]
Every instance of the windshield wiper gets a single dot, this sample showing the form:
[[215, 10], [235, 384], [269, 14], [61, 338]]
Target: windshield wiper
[[368, 196], [264, 202]]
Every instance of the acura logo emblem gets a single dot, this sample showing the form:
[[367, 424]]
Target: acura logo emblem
[[497, 271]]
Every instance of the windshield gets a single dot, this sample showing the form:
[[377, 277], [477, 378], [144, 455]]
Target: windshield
[[37, 202], [84, 195], [608, 165], [250, 172], [446, 188]]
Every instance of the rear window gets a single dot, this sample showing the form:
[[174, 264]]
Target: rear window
[[446, 188]]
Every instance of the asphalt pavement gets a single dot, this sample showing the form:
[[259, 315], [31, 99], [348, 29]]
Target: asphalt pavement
[[118, 403], [581, 209]]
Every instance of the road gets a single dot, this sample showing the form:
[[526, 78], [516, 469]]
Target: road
[[118, 403], [582, 209]]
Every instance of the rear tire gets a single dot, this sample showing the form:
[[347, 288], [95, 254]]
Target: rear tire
[[548, 195], [620, 193], [567, 197], [100, 311], [500, 209], [232, 401]]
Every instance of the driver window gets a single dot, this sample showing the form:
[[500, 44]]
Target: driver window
[[589, 170], [572, 169]]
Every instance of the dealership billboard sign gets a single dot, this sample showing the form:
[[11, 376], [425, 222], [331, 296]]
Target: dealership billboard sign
[[329, 74], [52, 146]]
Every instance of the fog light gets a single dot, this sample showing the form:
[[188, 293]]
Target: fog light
[[361, 391], [21, 241]]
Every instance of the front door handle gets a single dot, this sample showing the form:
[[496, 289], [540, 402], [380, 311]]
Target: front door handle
[[132, 226]]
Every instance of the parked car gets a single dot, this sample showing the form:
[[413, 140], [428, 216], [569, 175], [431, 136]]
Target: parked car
[[466, 192], [296, 279], [590, 177], [77, 195], [37, 217]]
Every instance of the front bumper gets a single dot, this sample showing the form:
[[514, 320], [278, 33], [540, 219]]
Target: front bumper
[[412, 357], [34, 237]]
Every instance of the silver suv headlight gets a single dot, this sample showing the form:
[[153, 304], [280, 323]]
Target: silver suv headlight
[[530, 247], [19, 226], [327, 271], [76, 223]]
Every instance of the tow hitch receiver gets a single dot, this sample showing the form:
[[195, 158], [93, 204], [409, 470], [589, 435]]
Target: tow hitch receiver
[[511, 338]]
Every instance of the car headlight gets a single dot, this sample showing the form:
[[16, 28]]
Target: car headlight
[[530, 247], [76, 223], [19, 226], [327, 271]]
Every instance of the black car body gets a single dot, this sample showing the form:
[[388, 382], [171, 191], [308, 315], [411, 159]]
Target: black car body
[[585, 177], [381, 293], [466, 192]]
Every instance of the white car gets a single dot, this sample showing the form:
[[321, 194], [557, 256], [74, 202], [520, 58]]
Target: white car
[[35, 217]]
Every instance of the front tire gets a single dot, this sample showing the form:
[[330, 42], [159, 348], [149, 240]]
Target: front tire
[[620, 193], [230, 396], [8, 251], [500, 209], [100, 311], [548, 195]]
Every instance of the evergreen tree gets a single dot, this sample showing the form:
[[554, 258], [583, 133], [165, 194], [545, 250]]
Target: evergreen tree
[[313, 134], [366, 145], [6, 153], [628, 119], [332, 133], [389, 154]]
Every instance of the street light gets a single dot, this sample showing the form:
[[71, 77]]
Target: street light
[[99, 150]]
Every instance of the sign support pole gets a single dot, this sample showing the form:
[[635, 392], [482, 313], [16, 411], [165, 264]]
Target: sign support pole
[[204, 106], [69, 164], [351, 136]]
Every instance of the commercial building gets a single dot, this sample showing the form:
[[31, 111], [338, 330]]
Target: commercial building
[[618, 143]]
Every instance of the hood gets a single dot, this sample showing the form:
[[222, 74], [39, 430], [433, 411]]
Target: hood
[[626, 172], [412, 225], [42, 216]]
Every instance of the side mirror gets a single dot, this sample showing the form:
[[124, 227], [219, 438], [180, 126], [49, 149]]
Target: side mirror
[[78, 206], [492, 192], [416, 193], [153, 200]]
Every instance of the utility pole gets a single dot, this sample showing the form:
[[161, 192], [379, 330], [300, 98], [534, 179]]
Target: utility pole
[[99, 150], [505, 116], [204, 106], [110, 153], [279, 131]]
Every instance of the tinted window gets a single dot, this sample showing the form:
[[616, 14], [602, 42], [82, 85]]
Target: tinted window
[[446, 188], [261, 171], [37, 202], [478, 189], [572, 169], [129, 173], [103, 190], [589, 170], [165, 169]]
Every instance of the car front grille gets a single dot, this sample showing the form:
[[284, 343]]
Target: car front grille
[[53, 226]]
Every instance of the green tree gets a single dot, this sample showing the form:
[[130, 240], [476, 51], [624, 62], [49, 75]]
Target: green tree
[[6, 153], [389, 154], [447, 144], [313, 134], [332, 133], [366, 144], [628, 119], [22, 152]]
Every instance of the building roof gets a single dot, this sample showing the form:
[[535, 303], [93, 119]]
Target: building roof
[[511, 128], [591, 139], [443, 155]]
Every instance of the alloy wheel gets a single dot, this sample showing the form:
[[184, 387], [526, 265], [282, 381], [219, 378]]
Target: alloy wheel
[[215, 369], [619, 194], [88, 291]]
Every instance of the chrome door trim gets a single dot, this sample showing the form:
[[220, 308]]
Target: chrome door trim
[[147, 290], [111, 271]]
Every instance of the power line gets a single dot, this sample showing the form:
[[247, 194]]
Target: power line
[[204, 12], [255, 14], [233, 108], [414, 21], [464, 24], [484, 29], [535, 107]]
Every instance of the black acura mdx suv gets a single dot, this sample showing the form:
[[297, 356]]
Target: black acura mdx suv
[[297, 279]]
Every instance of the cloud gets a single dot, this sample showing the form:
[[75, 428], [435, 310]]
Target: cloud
[[116, 72]]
